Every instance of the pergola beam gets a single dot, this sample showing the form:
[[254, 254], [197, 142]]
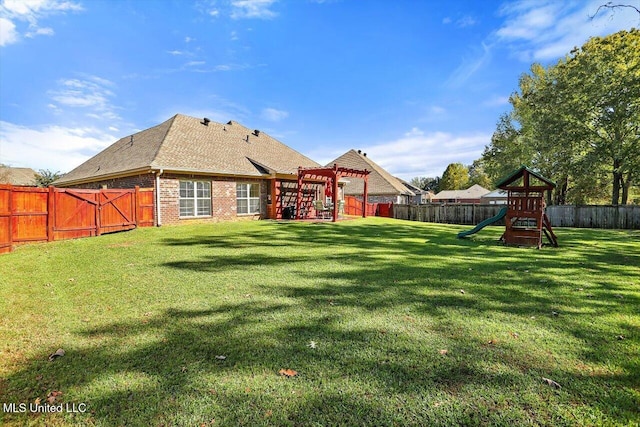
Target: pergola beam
[[333, 175]]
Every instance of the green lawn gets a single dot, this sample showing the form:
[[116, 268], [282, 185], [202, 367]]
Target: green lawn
[[386, 322]]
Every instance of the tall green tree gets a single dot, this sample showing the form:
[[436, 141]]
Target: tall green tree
[[577, 122], [426, 183], [455, 177]]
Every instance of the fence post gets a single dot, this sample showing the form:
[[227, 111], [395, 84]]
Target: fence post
[[51, 213], [11, 218], [137, 205], [98, 208]]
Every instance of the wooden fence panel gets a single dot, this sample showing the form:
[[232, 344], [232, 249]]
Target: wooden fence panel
[[6, 241], [117, 210], [145, 207], [590, 216], [75, 213], [30, 214]]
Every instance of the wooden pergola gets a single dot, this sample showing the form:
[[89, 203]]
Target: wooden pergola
[[330, 176]]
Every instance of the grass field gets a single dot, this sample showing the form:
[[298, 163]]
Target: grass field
[[384, 322]]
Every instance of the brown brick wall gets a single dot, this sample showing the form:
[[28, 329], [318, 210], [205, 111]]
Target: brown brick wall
[[223, 199]]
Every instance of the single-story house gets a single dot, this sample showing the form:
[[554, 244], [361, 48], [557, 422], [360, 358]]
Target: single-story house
[[201, 170], [17, 176], [421, 196], [472, 194], [382, 186], [496, 197]]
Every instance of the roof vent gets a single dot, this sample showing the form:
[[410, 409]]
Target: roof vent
[[230, 122], [364, 154], [131, 140], [247, 138], [205, 121], [359, 151], [256, 132]]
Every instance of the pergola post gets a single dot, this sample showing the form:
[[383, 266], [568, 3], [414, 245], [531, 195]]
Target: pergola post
[[299, 192], [364, 195]]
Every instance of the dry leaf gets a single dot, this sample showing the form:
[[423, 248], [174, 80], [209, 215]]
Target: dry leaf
[[53, 356], [493, 342], [37, 401], [53, 396], [620, 337], [220, 357], [515, 335], [288, 373], [312, 344], [552, 383], [443, 351], [72, 280]]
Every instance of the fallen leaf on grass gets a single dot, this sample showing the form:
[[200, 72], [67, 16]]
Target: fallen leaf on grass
[[287, 373], [58, 353], [493, 341], [53, 396], [221, 357], [443, 351], [37, 401], [312, 344], [515, 335], [620, 337], [552, 383], [462, 291], [72, 280]]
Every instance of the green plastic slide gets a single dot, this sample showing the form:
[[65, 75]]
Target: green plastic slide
[[484, 223]]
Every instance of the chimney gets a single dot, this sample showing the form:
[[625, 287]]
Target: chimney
[[205, 121]]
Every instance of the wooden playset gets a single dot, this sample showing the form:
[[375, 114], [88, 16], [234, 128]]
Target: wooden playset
[[526, 220]]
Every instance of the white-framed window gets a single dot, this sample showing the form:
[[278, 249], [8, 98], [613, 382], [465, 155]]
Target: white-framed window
[[195, 198], [248, 198]]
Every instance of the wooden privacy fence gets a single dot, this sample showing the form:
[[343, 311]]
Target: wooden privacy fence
[[353, 206], [30, 214], [591, 216]]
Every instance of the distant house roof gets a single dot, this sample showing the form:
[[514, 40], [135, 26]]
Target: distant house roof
[[379, 182], [189, 144], [474, 192], [496, 194], [17, 176]]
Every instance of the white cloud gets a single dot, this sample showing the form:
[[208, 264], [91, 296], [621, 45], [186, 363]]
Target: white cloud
[[90, 96], [274, 115], [470, 65], [8, 33], [417, 153], [31, 12], [52, 147], [214, 12], [259, 9], [541, 30]]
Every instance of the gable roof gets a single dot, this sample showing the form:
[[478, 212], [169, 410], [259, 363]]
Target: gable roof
[[188, 144], [519, 173], [379, 182], [474, 192], [17, 176]]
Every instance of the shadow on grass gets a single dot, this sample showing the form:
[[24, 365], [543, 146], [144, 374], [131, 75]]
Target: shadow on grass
[[379, 325]]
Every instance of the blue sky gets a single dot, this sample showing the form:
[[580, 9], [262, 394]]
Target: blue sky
[[415, 84]]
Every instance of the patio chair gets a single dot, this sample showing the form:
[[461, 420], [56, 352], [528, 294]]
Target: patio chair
[[321, 210]]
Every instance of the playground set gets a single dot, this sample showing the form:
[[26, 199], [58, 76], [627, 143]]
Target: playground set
[[524, 216]]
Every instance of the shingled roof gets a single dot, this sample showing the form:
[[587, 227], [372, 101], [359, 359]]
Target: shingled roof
[[189, 144], [379, 182], [17, 176]]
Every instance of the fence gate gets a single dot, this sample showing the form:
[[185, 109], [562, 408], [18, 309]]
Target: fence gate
[[29, 214]]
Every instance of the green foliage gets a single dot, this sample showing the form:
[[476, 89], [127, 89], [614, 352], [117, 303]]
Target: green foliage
[[426, 183], [142, 316], [478, 176], [455, 177], [45, 177], [577, 122]]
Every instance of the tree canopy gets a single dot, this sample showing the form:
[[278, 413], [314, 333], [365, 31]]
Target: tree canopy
[[577, 122]]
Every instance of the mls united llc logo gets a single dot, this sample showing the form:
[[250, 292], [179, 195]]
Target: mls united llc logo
[[35, 408]]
